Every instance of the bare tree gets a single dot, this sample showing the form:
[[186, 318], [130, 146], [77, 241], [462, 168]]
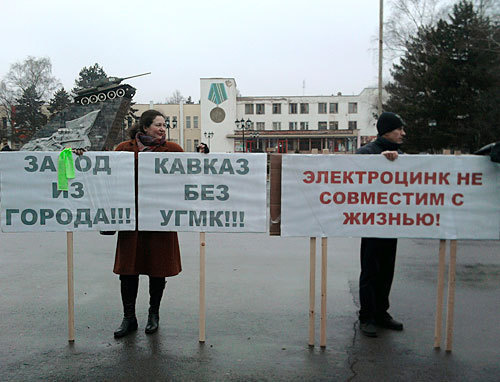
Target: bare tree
[[489, 8], [176, 97], [7, 101], [32, 73], [406, 17]]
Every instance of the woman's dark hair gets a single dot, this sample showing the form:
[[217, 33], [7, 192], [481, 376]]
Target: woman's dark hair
[[206, 150], [145, 120]]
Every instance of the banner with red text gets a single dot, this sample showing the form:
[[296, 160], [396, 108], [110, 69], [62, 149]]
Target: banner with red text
[[419, 196]]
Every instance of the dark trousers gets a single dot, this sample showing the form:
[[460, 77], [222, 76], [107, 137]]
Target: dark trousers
[[378, 257]]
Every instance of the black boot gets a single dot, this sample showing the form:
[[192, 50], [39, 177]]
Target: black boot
[[156, 287], [128, 287]]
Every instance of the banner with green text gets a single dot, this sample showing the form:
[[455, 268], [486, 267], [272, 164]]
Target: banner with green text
[[202, 192], [100, 197]]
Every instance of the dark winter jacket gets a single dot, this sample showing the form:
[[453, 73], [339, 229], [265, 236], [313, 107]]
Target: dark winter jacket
[[150, 253], [378, 146]]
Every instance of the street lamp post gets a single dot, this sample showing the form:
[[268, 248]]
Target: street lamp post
[[243, 126], [208, 135], [168, 126], [255, 135]]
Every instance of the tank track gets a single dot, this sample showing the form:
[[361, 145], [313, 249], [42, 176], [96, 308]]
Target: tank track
[[104, 95]]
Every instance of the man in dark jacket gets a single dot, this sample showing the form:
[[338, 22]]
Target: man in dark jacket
[[378, 256], [5, 146]]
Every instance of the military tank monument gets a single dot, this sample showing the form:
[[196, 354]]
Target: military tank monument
[[104, 89], [95, 121]]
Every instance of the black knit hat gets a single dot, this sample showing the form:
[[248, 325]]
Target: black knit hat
[[387, 122]]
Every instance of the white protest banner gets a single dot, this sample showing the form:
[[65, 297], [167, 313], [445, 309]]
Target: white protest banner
[[101, 196], [202, 192], [424, 196]]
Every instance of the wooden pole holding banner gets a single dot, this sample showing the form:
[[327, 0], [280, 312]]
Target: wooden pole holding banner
[[312, 287], [202, 288], [324, 251], [71, 288], [451, 295], [440, 294]]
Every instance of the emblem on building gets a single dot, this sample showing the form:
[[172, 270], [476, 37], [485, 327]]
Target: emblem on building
[[217, 95]]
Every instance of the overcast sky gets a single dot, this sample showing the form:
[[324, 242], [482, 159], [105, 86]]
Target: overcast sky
[[269, 46]]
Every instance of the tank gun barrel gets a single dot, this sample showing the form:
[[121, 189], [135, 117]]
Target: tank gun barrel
[[137, 75]]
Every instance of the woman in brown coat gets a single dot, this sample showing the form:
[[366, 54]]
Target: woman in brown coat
[[151, 253]]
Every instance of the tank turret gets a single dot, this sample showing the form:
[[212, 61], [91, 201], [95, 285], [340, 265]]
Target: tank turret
[[104, 89]]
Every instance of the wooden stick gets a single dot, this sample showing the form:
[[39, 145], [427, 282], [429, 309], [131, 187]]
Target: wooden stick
[[71, 288], [202, 287], [324, 251], [440, 294], [312, 287], [451, 295]]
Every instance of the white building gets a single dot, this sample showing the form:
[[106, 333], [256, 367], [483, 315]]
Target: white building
[[339, 123]]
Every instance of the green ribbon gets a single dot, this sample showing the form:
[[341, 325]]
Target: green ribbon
[[65, 169], [217, 93]]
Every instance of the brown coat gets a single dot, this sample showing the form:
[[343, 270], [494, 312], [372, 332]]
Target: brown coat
[[147, 252]]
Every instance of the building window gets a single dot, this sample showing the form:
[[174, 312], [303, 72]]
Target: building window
[[334, 107], [304, 125], [276, 125], [188, 122], [259, 108], [334, 125], [322, 125], [196, 144], [292, 125], [276, 108], [353, 125], [189, 146], [249, 108], [322, 108], [293, 108], [261, 126], [304, 108], [195, 121], [353, 107]]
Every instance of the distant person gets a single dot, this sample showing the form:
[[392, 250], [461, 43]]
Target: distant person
[[5, 146], [203, 148], [151, 253], [378, 255]]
